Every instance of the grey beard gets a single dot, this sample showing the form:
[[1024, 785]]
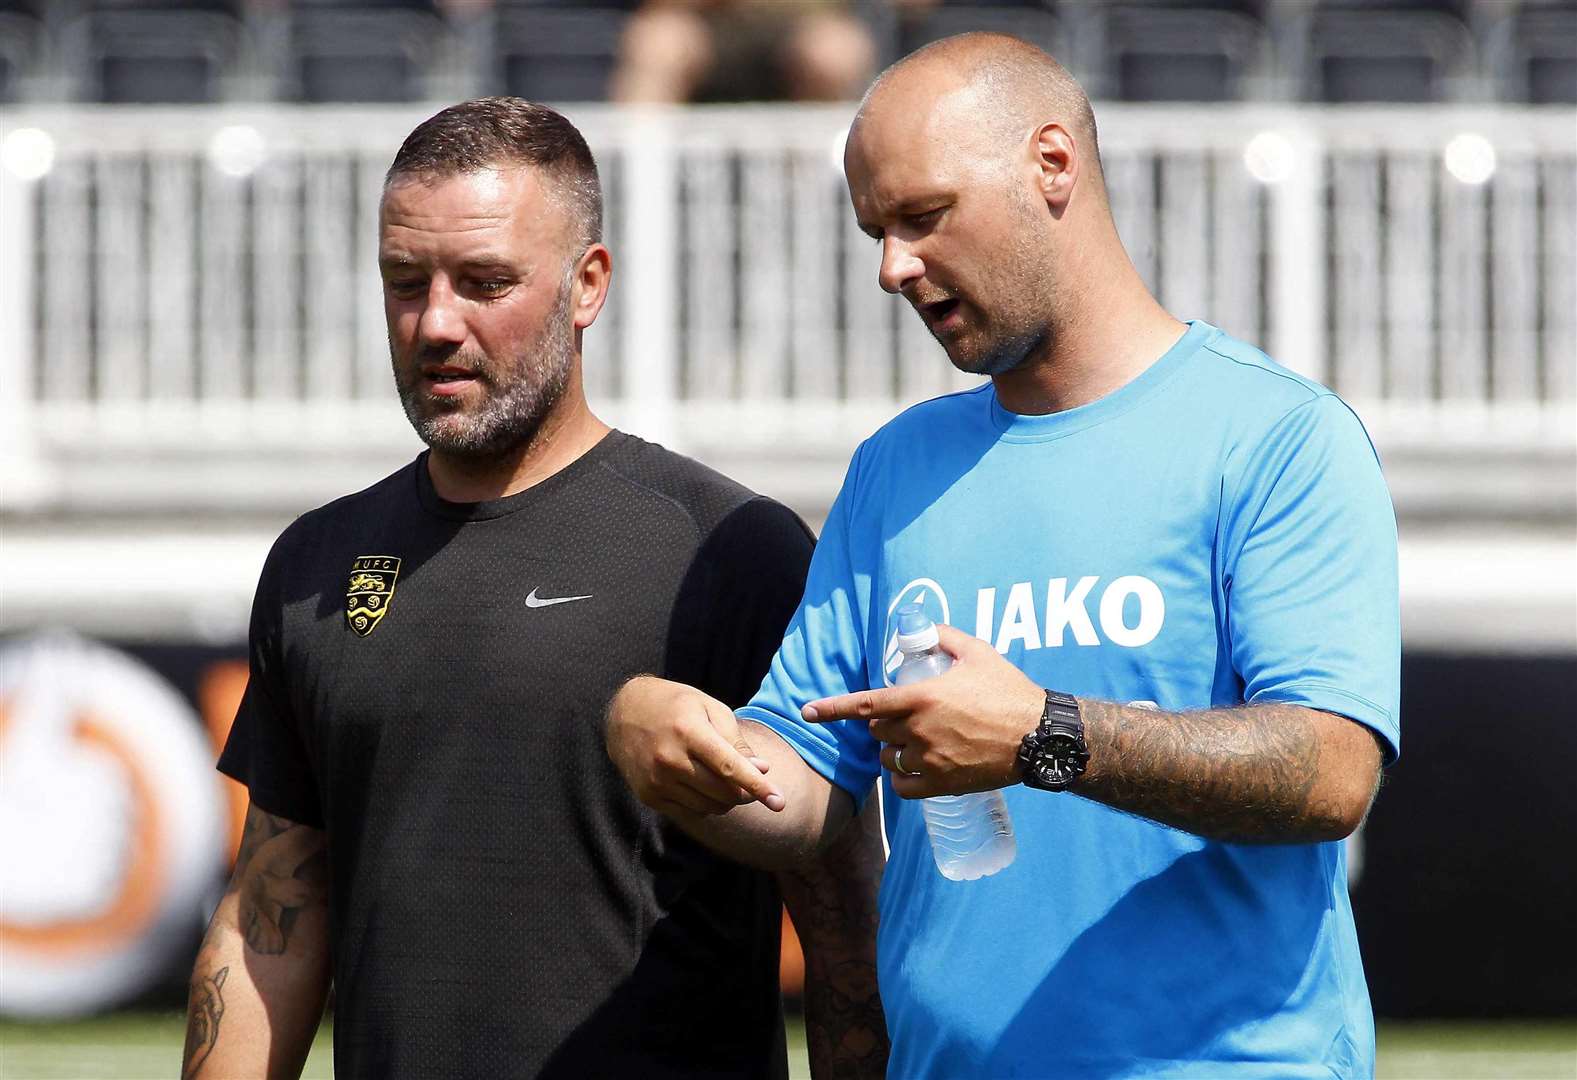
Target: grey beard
[[519, 400]]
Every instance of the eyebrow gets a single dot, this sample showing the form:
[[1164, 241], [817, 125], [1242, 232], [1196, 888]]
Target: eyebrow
[[484, 263], [489, 263]]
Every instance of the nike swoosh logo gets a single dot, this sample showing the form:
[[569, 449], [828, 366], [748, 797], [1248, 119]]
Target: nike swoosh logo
[[533, 600]]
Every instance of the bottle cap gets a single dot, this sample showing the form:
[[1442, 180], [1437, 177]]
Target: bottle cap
[[916, 631]]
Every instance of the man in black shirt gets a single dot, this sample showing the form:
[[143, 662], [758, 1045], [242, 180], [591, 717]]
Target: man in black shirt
[[433, 818]]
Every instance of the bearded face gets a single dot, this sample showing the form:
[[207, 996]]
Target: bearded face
[[479, 274], [510, 395]]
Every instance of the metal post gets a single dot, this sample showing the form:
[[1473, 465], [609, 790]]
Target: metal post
[[1297, 314], [649, 268], [24, 483]]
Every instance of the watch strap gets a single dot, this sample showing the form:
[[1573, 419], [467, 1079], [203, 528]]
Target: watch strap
[[1061, 711]]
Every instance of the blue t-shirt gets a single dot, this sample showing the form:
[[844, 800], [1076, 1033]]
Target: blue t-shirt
[[1215, 532]]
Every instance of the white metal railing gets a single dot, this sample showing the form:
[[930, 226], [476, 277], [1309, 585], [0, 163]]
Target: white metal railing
[[205, 278]]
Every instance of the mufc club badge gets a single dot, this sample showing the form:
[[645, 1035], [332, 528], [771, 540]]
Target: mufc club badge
[[369, 591]]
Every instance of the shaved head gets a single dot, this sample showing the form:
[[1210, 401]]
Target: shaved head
[[1005, 87], [973, 162]]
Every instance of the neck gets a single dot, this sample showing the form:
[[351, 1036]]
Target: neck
[[566, 434], [1112, 330]]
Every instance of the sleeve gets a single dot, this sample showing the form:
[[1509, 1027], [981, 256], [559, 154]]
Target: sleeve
[[265, 750], [745, 582], [822, 654], [1310, 573]]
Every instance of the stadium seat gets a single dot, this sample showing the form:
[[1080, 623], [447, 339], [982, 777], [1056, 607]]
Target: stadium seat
[[19, 46], [360, 53], [1030, 21], [1541, 65], [1399, 52], [431, 7], [1183, 52], [553, 52], [172, 55]]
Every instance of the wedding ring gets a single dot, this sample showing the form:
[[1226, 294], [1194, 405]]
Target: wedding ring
[[898, 763]]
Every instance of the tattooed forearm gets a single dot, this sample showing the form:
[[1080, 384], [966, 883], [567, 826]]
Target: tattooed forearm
[[206, 1009], [833, 904], [1254, 774], [282, 871]]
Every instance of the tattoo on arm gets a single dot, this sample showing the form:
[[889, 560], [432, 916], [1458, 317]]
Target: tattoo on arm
[[1249, 775], [202, 1024], [833, 904], [282, 870]]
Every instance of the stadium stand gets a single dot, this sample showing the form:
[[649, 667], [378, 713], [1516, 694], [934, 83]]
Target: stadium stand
[[1033, 22], [1360, 52], [147, 54], [1173, 51], [1533, 49], [362, 53], [18, 47], [555, 52], [1338, 51]]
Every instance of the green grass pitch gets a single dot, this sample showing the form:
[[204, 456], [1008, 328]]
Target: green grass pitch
[[134, 1046]]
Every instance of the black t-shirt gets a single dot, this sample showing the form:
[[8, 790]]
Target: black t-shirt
[[428, 683]]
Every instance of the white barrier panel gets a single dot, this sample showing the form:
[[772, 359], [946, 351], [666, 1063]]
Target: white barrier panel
[[205, 276]]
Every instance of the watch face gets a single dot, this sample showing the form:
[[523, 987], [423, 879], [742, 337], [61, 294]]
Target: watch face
[[1062, 760], [1053, 761], [1049, 772]]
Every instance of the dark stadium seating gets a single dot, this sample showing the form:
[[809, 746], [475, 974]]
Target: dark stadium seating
[[1184, 52], [19, 36], [1031, 22], [169, 54], [356, 53], [556, 52], [565, 50], [1542, 64], [1400, 52]]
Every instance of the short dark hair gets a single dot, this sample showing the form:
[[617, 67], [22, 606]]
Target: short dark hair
[[493, 131]]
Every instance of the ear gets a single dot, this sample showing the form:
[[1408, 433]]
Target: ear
[[589, 288], [1057, 163]]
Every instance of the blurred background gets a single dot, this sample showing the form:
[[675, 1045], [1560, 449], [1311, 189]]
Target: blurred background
[[1382, 195]]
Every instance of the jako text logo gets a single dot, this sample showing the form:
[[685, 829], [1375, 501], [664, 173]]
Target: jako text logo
[[1130, 612]]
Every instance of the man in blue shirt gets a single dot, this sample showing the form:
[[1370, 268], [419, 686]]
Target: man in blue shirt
[[1168, 572]]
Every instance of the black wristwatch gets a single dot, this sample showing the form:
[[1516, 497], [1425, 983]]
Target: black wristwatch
[[1054, 755]]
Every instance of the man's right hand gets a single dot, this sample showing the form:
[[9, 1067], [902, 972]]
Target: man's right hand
[[682, 752]]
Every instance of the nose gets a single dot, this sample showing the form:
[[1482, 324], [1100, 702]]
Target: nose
[[441, 324], [900, 265]]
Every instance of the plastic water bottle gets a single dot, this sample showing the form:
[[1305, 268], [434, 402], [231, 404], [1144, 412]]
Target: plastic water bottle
[[971, 835]]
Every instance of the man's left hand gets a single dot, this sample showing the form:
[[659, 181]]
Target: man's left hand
[[952, 734]]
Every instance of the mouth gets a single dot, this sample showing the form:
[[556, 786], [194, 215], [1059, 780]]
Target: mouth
[[446, 380], [941, 314]]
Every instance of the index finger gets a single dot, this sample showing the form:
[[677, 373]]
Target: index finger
[[727, 761], [862, 705]]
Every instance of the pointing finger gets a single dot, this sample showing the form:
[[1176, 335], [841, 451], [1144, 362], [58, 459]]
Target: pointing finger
[[727, 763], [863, 705], [727, 725]]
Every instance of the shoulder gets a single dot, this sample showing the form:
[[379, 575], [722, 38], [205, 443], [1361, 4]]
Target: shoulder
[[306, 534], [934, 414], [936, 425], [1285, 433], [1246, 381], [708, 500], [1265, 404]]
